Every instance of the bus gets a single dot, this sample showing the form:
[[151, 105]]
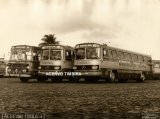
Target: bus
[[24, 62], [156, 69], [2, 67], [94, 61], [56, 62]]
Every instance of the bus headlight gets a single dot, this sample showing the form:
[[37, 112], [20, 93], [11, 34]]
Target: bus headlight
[[57, 67], [27, 67], [94, 67], [39, 67], [74, 67], [9, 70], [24, 70]]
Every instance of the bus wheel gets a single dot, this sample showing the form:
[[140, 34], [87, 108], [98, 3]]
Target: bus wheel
[[75, 79], [71, 79], [124, 80], [112, 76], [142, 78], [23, 79], [41, 79], [56, 79], [91, 79]]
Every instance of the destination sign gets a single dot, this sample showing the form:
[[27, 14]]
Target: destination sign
[[87, 45], [93, 62], [20, 47], [50, 47], [51, 62]]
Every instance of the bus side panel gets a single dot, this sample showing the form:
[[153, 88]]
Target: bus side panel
[[124, 67]]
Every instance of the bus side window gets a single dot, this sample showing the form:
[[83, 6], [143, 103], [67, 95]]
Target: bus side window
[[110, 54], [68, 55], [134, 58], [120, 55], [140, 58], [146, 59], [114, 54], [35, 56], [105, 53]]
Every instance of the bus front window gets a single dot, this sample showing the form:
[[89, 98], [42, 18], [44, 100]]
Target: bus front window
[[80, 53], [45, 54], [93, 53], [14, 56], [29, 55], [22, 56], [55, 54]]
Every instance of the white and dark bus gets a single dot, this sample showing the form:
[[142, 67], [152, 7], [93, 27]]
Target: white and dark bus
[[24, 62], [95, 61], [56, 63]]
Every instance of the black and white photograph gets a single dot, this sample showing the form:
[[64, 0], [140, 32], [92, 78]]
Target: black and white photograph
[[79, 59]]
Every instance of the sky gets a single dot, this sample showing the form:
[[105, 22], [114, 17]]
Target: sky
[[128, 24]]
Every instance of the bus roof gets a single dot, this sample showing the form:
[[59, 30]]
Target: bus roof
[[56, 46], [25, 46], [88, 45], [110, 47], [128, 51]]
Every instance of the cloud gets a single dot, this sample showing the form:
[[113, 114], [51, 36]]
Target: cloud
[[127, 24], [73, 17]]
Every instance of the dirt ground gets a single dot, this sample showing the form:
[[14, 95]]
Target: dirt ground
[[81, 100]]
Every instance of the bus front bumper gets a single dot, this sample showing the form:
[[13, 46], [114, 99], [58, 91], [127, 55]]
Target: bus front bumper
[[26, 75], [51, 73], [13, 75]]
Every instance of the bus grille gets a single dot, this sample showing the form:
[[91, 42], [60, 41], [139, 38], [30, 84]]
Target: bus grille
[[49, 67], [84, 67], [17, 68]]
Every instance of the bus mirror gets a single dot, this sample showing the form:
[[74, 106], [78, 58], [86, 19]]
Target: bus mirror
[[39, 58], [67, 53]]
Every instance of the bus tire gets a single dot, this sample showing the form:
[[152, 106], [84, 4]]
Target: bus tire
[[113, 76], [142, 78], [56, 79], [91, 79], [75, 79], [71, 79], [24, 79], [122, 80], [41, 79]]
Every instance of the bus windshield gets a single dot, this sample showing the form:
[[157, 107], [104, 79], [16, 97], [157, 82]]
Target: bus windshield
[[88, 53], [80, 53], [45, 54], [92, 53], [55, 54], [17, 55]]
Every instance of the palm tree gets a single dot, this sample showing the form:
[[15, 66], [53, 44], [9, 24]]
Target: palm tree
[[49, 39]]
